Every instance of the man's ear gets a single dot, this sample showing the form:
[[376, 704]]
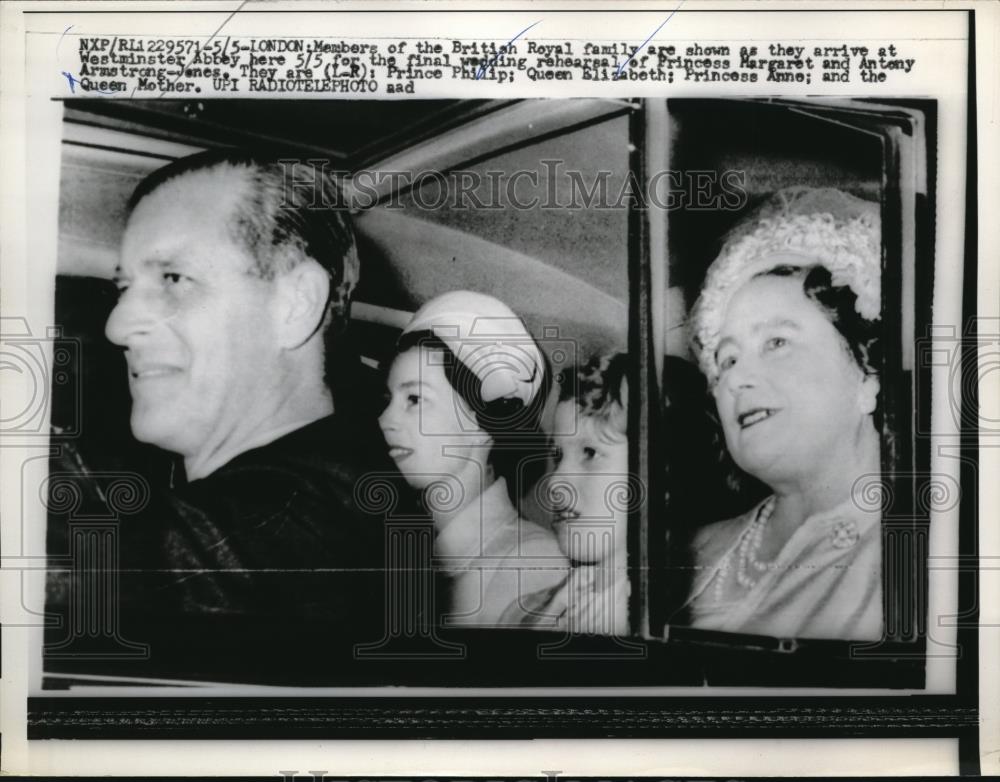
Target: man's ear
[[303, 294]]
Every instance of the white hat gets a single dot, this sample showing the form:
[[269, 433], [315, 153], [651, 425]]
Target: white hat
[[798, 226], [489, 339]]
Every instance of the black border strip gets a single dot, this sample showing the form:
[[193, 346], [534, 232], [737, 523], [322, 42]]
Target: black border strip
[[967, 685], [642, 397], [495, 718]]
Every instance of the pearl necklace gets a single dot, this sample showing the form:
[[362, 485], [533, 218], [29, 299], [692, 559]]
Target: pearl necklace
[[746, 559]]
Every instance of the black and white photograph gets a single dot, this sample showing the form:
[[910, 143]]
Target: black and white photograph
[[650, 413], [410, 400]]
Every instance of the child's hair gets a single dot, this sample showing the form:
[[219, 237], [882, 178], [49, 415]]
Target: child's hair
[[599, 390]]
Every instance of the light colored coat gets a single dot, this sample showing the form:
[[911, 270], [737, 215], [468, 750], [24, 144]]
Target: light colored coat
[[492, 557], [825, 583], [593, 599]]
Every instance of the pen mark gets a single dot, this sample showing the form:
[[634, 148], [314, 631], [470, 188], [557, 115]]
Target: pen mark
[[63, 36], [73, 81], [70, 78], [625, 62], [482, 68], [210, 38]]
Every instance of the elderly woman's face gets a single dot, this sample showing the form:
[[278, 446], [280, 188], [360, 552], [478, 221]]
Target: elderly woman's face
[[790, 395]]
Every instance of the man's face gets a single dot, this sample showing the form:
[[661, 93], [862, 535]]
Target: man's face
[[197, 327], [588, 487]]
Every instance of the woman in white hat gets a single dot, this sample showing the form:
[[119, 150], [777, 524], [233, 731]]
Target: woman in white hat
[[787, 332], [466, 390]]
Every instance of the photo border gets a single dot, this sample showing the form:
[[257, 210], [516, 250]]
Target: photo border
[[451, 717]]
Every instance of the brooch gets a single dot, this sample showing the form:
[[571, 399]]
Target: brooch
[[845, 534]]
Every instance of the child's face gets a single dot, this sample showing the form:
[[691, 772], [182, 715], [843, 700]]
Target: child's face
[[589, 487], [429, 430]]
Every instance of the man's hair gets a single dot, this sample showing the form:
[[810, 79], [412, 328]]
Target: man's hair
[[596, 387], [289, 209]]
